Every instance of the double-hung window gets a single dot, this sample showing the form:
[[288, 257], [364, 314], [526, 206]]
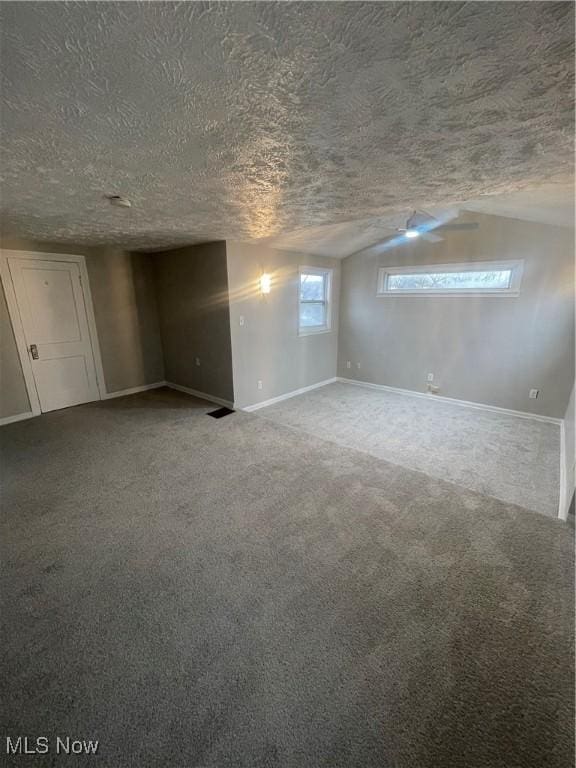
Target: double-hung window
[[480, 278], [314, 300]]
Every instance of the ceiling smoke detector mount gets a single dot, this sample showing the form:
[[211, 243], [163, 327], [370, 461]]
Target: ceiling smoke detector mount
[[119, 201]]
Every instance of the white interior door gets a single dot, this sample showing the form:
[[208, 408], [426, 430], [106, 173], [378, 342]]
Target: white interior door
[[53, 314]]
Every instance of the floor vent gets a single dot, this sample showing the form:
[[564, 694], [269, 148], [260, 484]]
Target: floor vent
[[220, 412]]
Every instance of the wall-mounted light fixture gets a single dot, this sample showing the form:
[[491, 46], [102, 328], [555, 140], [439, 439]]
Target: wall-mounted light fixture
[[265, 283]]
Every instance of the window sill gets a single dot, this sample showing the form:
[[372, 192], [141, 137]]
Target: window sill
[[445, 294], [313, 331]]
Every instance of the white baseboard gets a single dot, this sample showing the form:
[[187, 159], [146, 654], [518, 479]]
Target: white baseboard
[[288, 395], [453, 401], [202, 395], [133, 390], [17, 417]]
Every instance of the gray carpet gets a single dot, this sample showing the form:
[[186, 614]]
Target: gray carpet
[[201, 592], [511, 458]]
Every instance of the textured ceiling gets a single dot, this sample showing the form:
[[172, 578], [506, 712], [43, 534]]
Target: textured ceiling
[[552, 204], [253, 120], [548, 204]]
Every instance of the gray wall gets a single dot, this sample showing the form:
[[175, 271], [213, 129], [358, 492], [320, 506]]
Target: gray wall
[[267, 346], [124, 301], [487, 350], [124, 298], [192, 289]]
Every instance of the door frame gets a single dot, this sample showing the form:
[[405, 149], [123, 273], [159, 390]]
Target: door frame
[[18, 327]]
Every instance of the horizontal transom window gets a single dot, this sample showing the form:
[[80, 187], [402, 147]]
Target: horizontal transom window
[[481, 278]]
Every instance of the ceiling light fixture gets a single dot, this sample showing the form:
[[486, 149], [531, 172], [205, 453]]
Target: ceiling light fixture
[[411, 233]]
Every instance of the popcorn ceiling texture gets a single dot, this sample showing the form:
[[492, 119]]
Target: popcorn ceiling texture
[[249, 120]]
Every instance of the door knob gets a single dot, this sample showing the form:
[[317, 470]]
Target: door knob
[[34, 351]]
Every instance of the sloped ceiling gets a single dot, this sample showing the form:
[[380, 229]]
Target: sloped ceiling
[[546, 204], [550, 204], [259, 120]]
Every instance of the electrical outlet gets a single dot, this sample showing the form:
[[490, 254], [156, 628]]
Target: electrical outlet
[[241, 320], [533, 394], [358, 365], [198, 361], [430, 377], [348, 364], [259, 384]]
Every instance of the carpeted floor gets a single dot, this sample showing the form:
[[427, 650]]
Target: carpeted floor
[[234, 593], [508, 457]]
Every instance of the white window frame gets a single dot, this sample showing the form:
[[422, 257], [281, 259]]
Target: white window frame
[[516, 265], [327, 327]]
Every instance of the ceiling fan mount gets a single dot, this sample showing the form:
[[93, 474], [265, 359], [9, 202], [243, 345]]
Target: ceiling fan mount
[[428, 227], [423, 225]]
